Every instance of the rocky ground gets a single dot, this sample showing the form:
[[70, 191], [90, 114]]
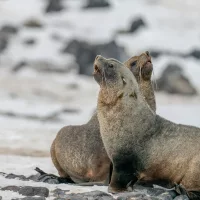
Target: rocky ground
[[47, 50]]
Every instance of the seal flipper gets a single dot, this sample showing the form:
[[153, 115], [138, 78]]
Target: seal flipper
[[51, 178], [106, 183]]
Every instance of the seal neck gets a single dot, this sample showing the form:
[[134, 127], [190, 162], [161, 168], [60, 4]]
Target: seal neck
[[146, 88]]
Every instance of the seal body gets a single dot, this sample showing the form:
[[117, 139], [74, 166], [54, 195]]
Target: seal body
[[78, 151], [148, 148]]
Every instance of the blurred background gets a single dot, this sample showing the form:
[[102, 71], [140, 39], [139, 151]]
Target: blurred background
[[47, 48]]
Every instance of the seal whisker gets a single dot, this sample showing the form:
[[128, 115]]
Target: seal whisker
[[154, 82]]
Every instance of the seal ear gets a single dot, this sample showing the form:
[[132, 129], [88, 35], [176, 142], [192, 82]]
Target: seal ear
[[133, 94]]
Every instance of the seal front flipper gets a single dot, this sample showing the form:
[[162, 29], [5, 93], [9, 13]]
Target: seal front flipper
[[120, 180]]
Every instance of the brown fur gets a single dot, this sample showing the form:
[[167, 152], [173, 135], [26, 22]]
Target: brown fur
[[78, 152], [149, 147]]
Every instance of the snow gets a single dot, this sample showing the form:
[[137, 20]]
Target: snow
[[172, 25]]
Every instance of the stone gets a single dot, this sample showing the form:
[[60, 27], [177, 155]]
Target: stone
[[54, 6], [59, 193], [19, 66], [34, 191], [3, 42], [11, 188], [31, 198], [136, 25], [85, 53], [14, 176], [181, 197], [195, 53], [29, 41], [33, 23], [97, 195], [174, 81], [97, 4], [9, 29]]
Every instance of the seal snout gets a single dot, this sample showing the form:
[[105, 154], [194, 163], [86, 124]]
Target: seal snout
[[98, 64]]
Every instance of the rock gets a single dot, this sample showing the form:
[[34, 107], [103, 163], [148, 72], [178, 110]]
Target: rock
[[28, 190], [54, 6], [181, 197], [29, 41], [85, 53], [60, 193], [155, 53], [14, 176], [31, 198], [0, 197], [19, 66], [97, 4], [136, 24], [33, 23], [174, 81], [34, 191], [97, 195], [3, 42], [9, 29], [11, 188], [46, 66], [195, 53]]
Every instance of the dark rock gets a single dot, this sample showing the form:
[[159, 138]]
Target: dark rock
[[11, 188], [97, 4], [174, 81], [53, 117], [137, 24], [9, 29], [60, 193], [97, 195], [44, 66], [155, 53], [30, 41], [3, 42], [85, 53], [0, 197], [33, 23], [54, 6], [19, 66], [195, 53], [31, 198], [28, 190], [34, 191], [14, 176]]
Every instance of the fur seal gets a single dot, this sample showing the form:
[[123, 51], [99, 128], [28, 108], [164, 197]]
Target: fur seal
[[142, 145], [78, 152]]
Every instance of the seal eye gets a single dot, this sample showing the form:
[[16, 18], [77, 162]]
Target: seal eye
[[110, 65], [133, 64]]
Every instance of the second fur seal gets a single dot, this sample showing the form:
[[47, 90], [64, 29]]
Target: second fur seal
[[142, 145], [78, 152]]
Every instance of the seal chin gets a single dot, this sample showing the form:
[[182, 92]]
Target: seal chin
[[147, 70], [97, 72]]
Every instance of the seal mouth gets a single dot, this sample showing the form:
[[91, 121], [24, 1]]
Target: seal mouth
[[96, 69]]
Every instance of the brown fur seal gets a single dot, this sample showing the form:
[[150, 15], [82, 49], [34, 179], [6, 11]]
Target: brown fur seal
[[142, 145], [78, 152]]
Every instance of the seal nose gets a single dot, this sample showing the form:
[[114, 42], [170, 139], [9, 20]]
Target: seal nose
[[147, 53]]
